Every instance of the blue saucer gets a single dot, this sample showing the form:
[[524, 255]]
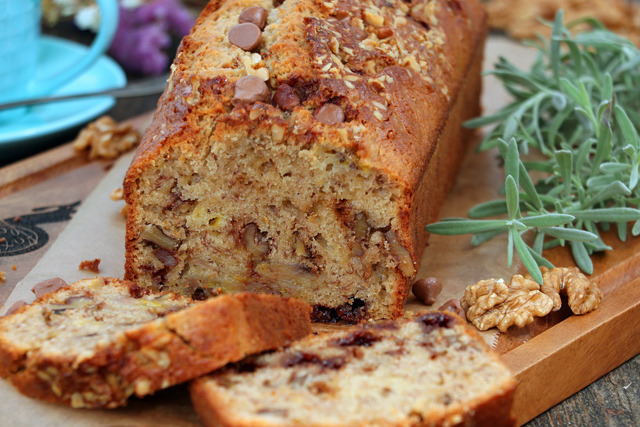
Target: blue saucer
[[43, 122]]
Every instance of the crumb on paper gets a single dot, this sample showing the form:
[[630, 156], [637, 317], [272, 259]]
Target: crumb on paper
[[17, 219], [3, 239], [92, 265], [106, 139], [521, 18], [2, 279], [14, 267], [117, 194], [124, 211]]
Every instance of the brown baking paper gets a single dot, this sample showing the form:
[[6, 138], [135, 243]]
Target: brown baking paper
[[97, 231]]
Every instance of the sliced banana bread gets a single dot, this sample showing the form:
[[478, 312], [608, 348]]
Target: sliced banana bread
[[432, 370], [96, 342]]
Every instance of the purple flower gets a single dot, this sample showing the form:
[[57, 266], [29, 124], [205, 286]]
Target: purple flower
[[144, 33]]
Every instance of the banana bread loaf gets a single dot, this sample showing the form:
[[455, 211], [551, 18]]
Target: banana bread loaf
[[96, 342], [429, 371], [301, 147]]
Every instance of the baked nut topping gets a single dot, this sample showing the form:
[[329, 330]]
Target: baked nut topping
[[250, 89], [427, 289], [246, 36], [255, 15]]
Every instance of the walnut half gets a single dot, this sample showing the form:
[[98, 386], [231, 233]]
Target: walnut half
[[584, 295], [492, 303]]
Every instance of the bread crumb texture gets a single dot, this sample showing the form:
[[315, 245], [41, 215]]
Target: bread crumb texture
[[427, 371]]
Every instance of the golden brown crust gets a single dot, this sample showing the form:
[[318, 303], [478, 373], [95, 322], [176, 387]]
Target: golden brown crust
[[155, 355], [416, 142]]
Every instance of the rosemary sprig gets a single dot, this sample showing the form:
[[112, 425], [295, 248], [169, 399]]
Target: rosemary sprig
[[579, 106]]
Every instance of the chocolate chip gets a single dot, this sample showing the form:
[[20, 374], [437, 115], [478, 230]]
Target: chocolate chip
[[305, 358], [357, 33], [250, 89], [435, 320], [358, 338], [427, 289], [199, 295], [453, 305], [16, 305], [246, 36], [286, 97], [255, 15], [47, 286], [329, 114]]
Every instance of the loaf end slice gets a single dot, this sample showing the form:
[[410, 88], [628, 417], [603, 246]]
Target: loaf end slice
[[432, 370], [96, 342]]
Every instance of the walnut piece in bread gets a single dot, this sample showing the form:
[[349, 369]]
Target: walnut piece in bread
[[432, 370], [308, 162], [96, 342]]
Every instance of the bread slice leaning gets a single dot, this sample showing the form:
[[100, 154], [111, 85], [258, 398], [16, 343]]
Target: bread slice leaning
[[432, 370], [96, 342]]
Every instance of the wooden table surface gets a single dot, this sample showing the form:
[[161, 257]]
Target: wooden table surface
[[612, 400]]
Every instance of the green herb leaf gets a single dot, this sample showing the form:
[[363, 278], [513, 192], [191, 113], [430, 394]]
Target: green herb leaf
[[483, 210], [480, 238], [547, 220], [581, 256], [527, 259], [451, 228], [513, 199], [608, 215], [569, 234], [579, 106]]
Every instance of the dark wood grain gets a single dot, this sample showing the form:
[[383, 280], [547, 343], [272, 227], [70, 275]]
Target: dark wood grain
[[613, 400]]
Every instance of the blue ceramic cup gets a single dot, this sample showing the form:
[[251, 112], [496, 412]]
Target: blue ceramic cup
[[19, 34]]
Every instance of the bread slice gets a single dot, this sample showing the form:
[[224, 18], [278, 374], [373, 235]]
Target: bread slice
[[432, 370], [318, 183], [96, 342]]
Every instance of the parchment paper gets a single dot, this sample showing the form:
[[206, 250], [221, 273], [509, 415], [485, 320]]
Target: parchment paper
[[97, 231]]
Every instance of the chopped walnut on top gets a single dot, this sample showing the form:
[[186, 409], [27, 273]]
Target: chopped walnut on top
[[491, 302], [106, 139]]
